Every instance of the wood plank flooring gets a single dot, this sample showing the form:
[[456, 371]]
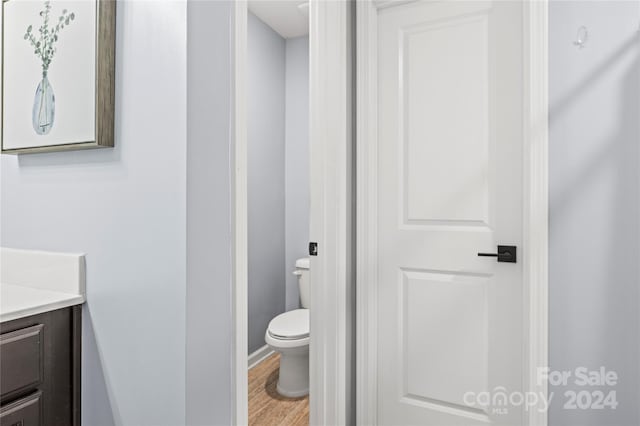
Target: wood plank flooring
[[266, 407]]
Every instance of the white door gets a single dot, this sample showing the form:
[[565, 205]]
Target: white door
[[449, 179]]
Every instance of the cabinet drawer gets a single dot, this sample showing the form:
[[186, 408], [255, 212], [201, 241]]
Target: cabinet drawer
[[22, 356], [26, 411]]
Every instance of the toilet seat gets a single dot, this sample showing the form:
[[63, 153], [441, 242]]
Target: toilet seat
[[292, 325]]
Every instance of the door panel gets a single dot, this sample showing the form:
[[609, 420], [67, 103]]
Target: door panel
[[449, 186], [439, 305], [444, 98]]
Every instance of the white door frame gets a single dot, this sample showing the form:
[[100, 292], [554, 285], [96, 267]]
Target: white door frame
[[240, 253], [535, 198], [331, 350], [332, 281]]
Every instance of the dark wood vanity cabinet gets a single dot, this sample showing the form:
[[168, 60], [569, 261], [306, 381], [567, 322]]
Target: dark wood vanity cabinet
[[40, 369]]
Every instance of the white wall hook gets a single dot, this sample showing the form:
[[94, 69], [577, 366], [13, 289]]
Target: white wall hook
[[581, 37]]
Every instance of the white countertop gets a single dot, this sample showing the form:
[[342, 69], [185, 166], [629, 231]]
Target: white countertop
[[17, 301], [33, 282]]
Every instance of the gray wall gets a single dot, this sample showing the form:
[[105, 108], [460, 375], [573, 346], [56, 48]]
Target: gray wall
[[296, 162], [127, 208], [124, 207], [209, 336], [266, 144], [595, 202]]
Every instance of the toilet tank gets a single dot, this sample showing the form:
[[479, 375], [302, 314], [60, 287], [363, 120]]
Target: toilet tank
[[302, 271]]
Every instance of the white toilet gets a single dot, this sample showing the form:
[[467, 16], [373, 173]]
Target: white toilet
[[288, 334]]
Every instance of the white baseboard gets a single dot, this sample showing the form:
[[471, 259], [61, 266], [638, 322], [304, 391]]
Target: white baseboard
[[258, 356]]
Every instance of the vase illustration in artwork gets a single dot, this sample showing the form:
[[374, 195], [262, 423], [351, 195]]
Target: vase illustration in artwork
[[43, 113], [44, 107]]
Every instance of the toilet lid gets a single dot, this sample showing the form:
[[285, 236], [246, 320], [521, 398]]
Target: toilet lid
[[290, 325]]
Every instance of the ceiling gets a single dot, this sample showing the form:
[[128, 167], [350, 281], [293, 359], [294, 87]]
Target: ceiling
[[289, 18]]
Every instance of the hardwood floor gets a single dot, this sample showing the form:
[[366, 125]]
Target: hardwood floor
[[266, 407]]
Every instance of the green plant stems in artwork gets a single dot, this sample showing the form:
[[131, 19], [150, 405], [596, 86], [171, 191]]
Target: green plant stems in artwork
[[44, 45]]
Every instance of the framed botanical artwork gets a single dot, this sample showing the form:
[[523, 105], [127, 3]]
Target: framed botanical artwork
[[58, 75]]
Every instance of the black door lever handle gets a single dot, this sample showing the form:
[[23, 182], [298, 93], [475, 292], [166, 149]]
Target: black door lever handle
[[504, 254]]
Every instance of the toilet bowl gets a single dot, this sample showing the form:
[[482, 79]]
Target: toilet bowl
[[288, 334]]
